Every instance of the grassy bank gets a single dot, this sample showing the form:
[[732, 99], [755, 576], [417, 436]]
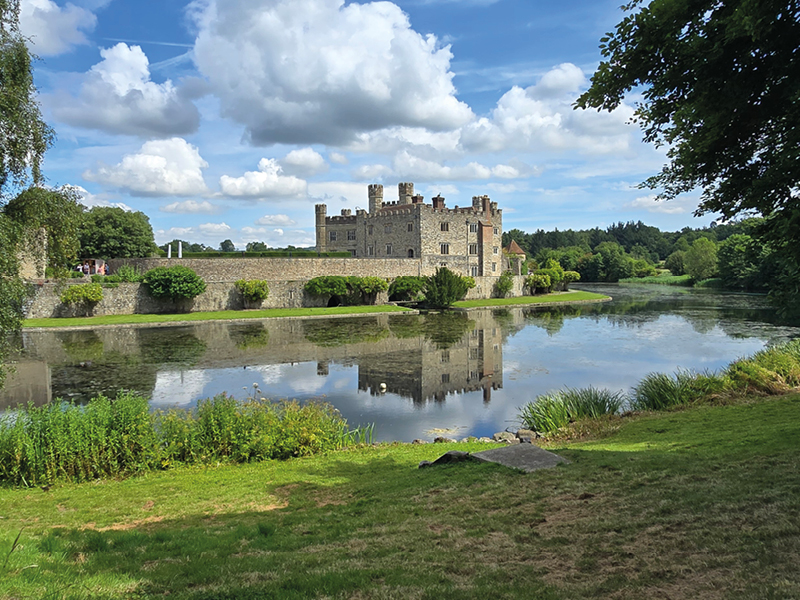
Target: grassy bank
[[661, 280], [565, 297], [221, 315], [700, 503]]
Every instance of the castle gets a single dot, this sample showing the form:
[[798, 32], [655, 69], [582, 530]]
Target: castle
[[467, 240]]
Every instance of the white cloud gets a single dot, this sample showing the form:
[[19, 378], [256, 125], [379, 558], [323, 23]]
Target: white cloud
[[214, 228], [672, 207], [303, 163], [337, 158], [90, 200], [267, 182], [306, 71], [408, 166], [346, 192], [189, 207], [117, 96], [161, 168], [51, 29], [276, 220]]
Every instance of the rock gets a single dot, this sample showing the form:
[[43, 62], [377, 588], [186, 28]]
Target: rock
[[526, 433], [419, 441], [443, 440], [454, 456], [504, 436], [485, 440]]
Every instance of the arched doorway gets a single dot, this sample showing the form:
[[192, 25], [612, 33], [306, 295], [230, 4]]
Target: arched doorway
[[334, 301], [410, 253]]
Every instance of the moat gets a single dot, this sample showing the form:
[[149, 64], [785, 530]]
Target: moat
[[466, 373]]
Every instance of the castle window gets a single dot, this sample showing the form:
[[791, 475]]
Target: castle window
[[411, 227], [474, 271], [352, 253], [496, 231], [445, 377], [387, 228], [474, 353], [445, 227], [473, 248], [410, 253], [333, 236], [370, 250], [388, 249], [494, 250], [444, 248], [494, 266], [370, 230], [351, 235], [473, 228], [445, 356]]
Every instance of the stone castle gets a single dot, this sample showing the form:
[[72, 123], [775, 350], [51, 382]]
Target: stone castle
[[467, 240]]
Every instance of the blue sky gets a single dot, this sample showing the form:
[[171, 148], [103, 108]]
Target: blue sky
[[231, 118]]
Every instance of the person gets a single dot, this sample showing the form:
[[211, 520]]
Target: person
[[86, 268], [105, 269]]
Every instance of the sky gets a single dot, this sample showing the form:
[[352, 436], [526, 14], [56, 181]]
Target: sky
[[231, 119]]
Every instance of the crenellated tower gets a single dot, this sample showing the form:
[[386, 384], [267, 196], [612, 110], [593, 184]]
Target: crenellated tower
[[321, 212], [405, 193], [375, 191]]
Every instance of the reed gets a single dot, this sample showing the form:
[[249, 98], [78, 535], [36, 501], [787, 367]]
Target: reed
[[552, 411]]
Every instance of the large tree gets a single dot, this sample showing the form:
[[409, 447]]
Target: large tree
[[720, 88], [24, 136], [110, 232]]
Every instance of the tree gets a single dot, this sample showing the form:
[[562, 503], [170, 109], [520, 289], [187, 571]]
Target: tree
[[12, 289], [256, 247], [701, 259], [59, 213], [176, 283], [227, 246], [24, 136], [721, 90], [110, 232], [444, 288]]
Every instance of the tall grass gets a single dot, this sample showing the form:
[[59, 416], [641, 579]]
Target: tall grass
[[550, 412], [774, 370], [120, 437]]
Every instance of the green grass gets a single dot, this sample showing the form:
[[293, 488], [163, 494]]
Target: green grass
[[661, 279], [565, 297], [699, 503], [211, 316]]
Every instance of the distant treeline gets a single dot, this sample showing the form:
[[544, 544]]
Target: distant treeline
[[733, 253]]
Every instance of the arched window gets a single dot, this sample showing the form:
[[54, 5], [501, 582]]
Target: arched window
[[410, 253]]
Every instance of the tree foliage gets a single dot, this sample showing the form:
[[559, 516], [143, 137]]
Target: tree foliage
[[701, 259], [227, 246], [86, 293], [110, 232], [406, 288], [721, 90], [12, 289], [445, 288], [253, 290], [60, 213], [24, 136]]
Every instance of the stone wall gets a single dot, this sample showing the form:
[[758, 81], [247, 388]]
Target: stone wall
[[279, 269]]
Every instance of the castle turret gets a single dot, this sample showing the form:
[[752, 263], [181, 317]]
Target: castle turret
[[375, 197], [405, 192], [321, 215]]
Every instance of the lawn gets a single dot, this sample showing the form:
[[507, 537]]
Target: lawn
[[700, 503], [560, 297], [212, 316]]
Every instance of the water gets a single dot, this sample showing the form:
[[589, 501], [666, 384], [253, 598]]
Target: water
[[454, 374]]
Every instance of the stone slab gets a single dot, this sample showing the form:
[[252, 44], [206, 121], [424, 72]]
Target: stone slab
[[526, 457]]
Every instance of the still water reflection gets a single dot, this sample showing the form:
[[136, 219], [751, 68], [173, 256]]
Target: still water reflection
[[463, 372]]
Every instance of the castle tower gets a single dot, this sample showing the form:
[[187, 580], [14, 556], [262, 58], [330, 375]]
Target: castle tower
[[375, 191], [405, 192], [322, 237]]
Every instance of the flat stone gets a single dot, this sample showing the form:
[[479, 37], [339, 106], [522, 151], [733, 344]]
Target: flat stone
[[453, 456], [526, 457]]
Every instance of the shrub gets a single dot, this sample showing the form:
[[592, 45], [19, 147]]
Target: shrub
[[352, 290], [538, 281], [444, 288], [327, 285], [406, 287], [128, 274], [504, 284], [253, 290], [570, 277], [176, 283], [85, 293], [642, 268]]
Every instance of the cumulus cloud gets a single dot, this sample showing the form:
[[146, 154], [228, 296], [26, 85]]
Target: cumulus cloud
[[161, 168], [321, 71], [267, 182], [338, 158], [51, 29], [673, 207], [411, 167], [90, 200], [214, 228], [283, 220], [346, 192], [191, 207], [117, 96], [303, 163]]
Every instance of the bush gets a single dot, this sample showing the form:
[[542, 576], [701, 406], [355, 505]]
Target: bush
[[253, 290], [538, 281], [128, 274], [352, 290], [504, 284], [675, 262], [176, 283], [406, 288], [327, 285], [85, 293], [444, 288]]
